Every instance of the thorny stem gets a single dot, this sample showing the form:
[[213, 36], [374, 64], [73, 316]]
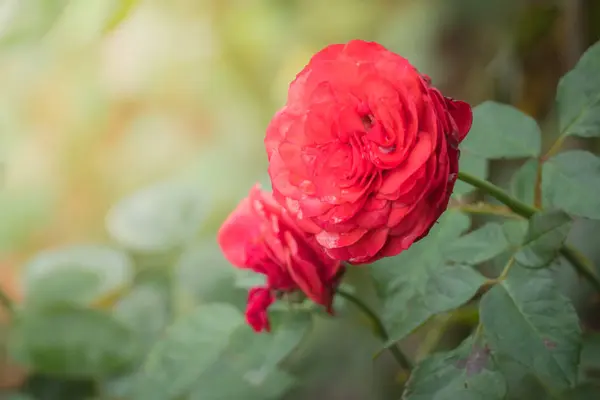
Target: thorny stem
[[577, 260], [378, 328]]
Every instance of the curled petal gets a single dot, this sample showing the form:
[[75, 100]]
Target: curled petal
[[259, 300]]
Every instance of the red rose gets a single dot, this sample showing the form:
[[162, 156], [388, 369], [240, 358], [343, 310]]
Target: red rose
[[262, 236], [365, 151]]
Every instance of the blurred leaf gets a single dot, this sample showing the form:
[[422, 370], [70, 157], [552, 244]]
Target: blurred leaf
[[585, 391], [522, 183], [203, 275], [465, 373], [472, 164], [248, 369], [528, 319], [545, 236], [212, 354], [478, 246], [247, 279], [589, 364], [29, 20], [77, 274], [145, 310], [122, 10], [42, 387], [502, 131], [578, 96], [418, 284], [571, 182], [158, 218], [72, 342]]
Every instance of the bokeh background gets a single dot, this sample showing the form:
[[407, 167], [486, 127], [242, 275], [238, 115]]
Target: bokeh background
[[164, 103]]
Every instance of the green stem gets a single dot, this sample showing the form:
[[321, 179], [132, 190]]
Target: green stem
[[523, 209], [378, 328], [577, 260], [582, 264]]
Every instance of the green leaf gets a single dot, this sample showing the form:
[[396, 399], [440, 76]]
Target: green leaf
[[521, 383], [418, 284], [522, 183], [80, 274], [478, 246], [515, 232], [502, 131], [545, 236], [212, 354], [158, 218], [145, 310], [529, 320], [72, 342], [578, 96], [27, 21], [466, 373], [472, 164], [203, 275], [571, 182]]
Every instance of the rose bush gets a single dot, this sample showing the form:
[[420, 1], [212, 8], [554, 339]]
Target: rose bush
[[365, 151], [262, 236]]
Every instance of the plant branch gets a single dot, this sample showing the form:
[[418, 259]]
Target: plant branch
[[523, 209], [582, 264], [378, 328], [576, 259], [486, 209]]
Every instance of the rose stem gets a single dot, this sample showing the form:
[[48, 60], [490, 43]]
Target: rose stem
[[577, 260], [378, 328]]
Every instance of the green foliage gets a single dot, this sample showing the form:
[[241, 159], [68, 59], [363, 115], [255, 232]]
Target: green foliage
[[528, 344], [72, 342], [498, 131], [419, 282], [522, 183], [578, 96], [571, 182], [545, 236], [473, 164], [589, 364], [502, 131], [468, 372], [158, 218], [212, 354], [529, 320], [80, 274], [477, 246], [31, 20]]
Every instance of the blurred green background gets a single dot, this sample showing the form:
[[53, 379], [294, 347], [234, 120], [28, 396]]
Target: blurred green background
[[138, 124]]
